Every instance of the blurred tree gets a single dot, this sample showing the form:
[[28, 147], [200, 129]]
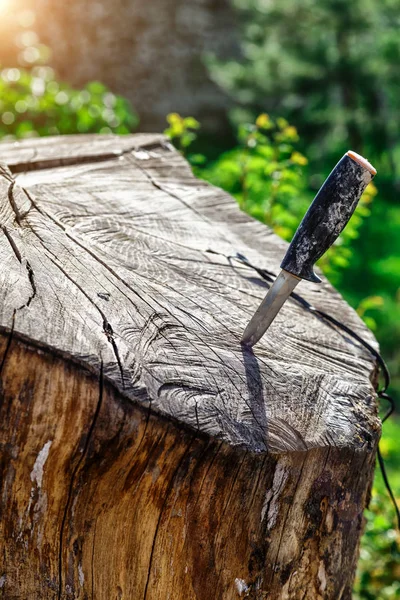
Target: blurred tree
[[330, 66], [150, 52]]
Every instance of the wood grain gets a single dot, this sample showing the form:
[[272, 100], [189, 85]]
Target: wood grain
[[111, 259], [102, 499], [143, 453]]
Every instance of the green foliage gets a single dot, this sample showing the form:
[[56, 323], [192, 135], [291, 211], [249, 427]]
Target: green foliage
[[379, 566], [267, 175], [329, 66], [34, 102], [378, 574], [182, 130], [371, 303]]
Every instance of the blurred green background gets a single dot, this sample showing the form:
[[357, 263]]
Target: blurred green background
[[305, 82]]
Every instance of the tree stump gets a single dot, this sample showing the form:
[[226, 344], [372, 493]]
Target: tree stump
[[144, 453]]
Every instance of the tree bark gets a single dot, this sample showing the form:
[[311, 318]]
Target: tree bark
[[144, 453]]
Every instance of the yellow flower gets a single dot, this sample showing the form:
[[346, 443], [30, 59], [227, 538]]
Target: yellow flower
[[177, 125], [290, 132], [298, 159], [262, 120]]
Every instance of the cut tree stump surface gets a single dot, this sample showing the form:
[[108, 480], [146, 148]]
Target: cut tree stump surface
[[144, 454], [105, 259]]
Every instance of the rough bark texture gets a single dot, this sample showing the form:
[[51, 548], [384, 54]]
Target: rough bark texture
[[151, 52], [144, 453]]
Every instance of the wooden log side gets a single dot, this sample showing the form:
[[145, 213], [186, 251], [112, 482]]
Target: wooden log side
[[144, 453]]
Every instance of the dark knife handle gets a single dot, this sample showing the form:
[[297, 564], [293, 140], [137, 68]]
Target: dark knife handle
[[328, 215]]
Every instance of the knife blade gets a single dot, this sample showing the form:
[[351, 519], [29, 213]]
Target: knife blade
[[325, 219]]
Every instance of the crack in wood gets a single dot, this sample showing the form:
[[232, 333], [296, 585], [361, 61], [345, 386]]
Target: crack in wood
[[5, 171], [41, 165], [12, 243], [13, 204], [161, 514], [108, 330], [73, 478], [86, 249], [159, 187], [30, 273], [31, 278], [73, 238], [209, 467], [68, 161]]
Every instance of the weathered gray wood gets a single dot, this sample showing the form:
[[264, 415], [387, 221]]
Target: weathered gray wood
[[108, 261], [39, 153], [143, 453]]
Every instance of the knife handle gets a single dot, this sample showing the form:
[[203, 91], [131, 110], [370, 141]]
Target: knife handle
[[328, 215]]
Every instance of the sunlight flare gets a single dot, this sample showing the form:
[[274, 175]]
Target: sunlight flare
[[5, 6]]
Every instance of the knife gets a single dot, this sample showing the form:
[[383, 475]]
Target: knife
[[325, 219]]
